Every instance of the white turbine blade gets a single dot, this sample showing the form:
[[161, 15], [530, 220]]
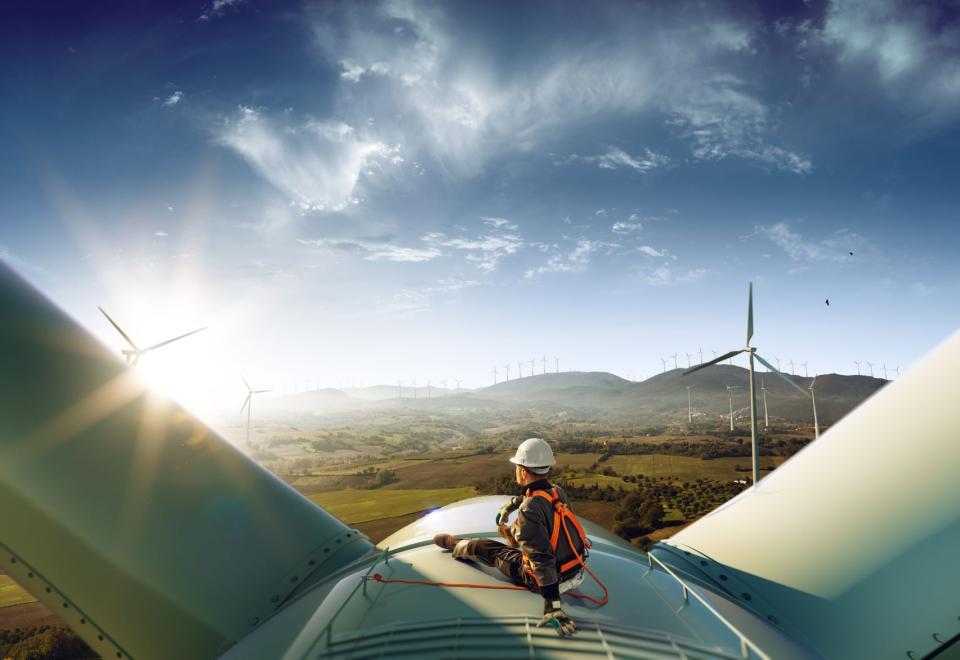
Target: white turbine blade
[[170, 341], [117, 327], [260, 391], [779, 373], [750, 313], [713, 361], [245, 383], [813, 382], [245, 402]]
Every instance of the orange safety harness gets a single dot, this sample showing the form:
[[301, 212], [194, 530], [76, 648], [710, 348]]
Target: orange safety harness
[[561, 514]]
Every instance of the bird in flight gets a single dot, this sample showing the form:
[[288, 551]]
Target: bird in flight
[[827, 301], [851, 254]]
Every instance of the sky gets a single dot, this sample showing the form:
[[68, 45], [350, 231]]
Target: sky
[[351, 193]]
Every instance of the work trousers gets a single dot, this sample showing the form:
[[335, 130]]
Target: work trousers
[[505, 559]]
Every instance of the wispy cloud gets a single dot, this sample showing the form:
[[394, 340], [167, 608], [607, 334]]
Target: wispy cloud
[[217, 9], [372, 250], [575, 260], [651, 252], [485, 251], [615, 158], [173, 99], [666, 275], [317, 164], [626, 227], [24, 265], [835, 246]]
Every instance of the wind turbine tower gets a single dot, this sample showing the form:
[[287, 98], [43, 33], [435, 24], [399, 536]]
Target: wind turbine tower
[[664, 365], [688, 360], [806, 374], [532, 362], [689, 405], [248, 403], [494, 372], [399, 389], [544, 364], [506, 368], [856, 362], [444, 381], [766, 418], [701, 355], [414, 388], [730, 389], [429, 383], [792, 371], [458, 384], [752, 353], [870, 364], [519, 369], [557, 360], [674, 356], [813, 397], [884, 370]]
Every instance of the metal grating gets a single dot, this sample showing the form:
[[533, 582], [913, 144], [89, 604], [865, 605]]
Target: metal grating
[[513, 637]]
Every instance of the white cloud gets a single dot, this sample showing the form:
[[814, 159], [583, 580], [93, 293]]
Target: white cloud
[[652, 252], [217, 9], [626, 227], [373, 251], [161, 234], [317, 164], [835, 247], [173, 99], [912, 49], [664, 275], [573, 261], [499, 223], [461, 106], [615, 157]]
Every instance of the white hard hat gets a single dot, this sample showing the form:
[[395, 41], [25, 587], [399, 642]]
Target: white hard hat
[[534, 453]]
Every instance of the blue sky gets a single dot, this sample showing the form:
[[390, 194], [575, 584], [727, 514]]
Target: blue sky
[[351, 193]]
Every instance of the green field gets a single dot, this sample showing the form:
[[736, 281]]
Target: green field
[[11, 593], [354, 506], [686, 468]]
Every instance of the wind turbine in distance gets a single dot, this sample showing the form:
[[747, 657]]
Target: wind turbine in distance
[[884, 371], [751, 353], [701, 355], [248, 403], [664, 365], [458, 384], [689, 406], [858, 366], [133, 353], [532, 362], [766, 419], [870, 364], [688, 360], [674, 356], [414, 388], [399, 389], [730, 389], [806, 374], [897, 369], [444, 381], [506, 368], [792, 372], [557, 360], [494, 372], [429, 383], [545, 364], [813, 397], [778, 361]]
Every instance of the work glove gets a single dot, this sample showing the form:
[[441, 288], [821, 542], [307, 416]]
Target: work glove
[[554, 615], [506, 510]]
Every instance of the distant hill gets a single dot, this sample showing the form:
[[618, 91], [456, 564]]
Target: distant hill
[[562, 385], [312, 402], [602, 395]]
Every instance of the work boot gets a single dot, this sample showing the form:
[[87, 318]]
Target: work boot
[[446, 541]]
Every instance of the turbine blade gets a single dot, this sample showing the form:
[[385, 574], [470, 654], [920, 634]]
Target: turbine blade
[[260, 391], [813, 382], [245, 402], [750, 313], [245, 383], [117, 327], [170, 341], [713, 361], [779, 373]]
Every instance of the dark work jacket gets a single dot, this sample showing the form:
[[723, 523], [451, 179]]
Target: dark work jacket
[[533, 530]]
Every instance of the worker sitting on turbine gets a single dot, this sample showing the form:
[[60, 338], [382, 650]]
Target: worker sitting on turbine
[[546, 542]]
